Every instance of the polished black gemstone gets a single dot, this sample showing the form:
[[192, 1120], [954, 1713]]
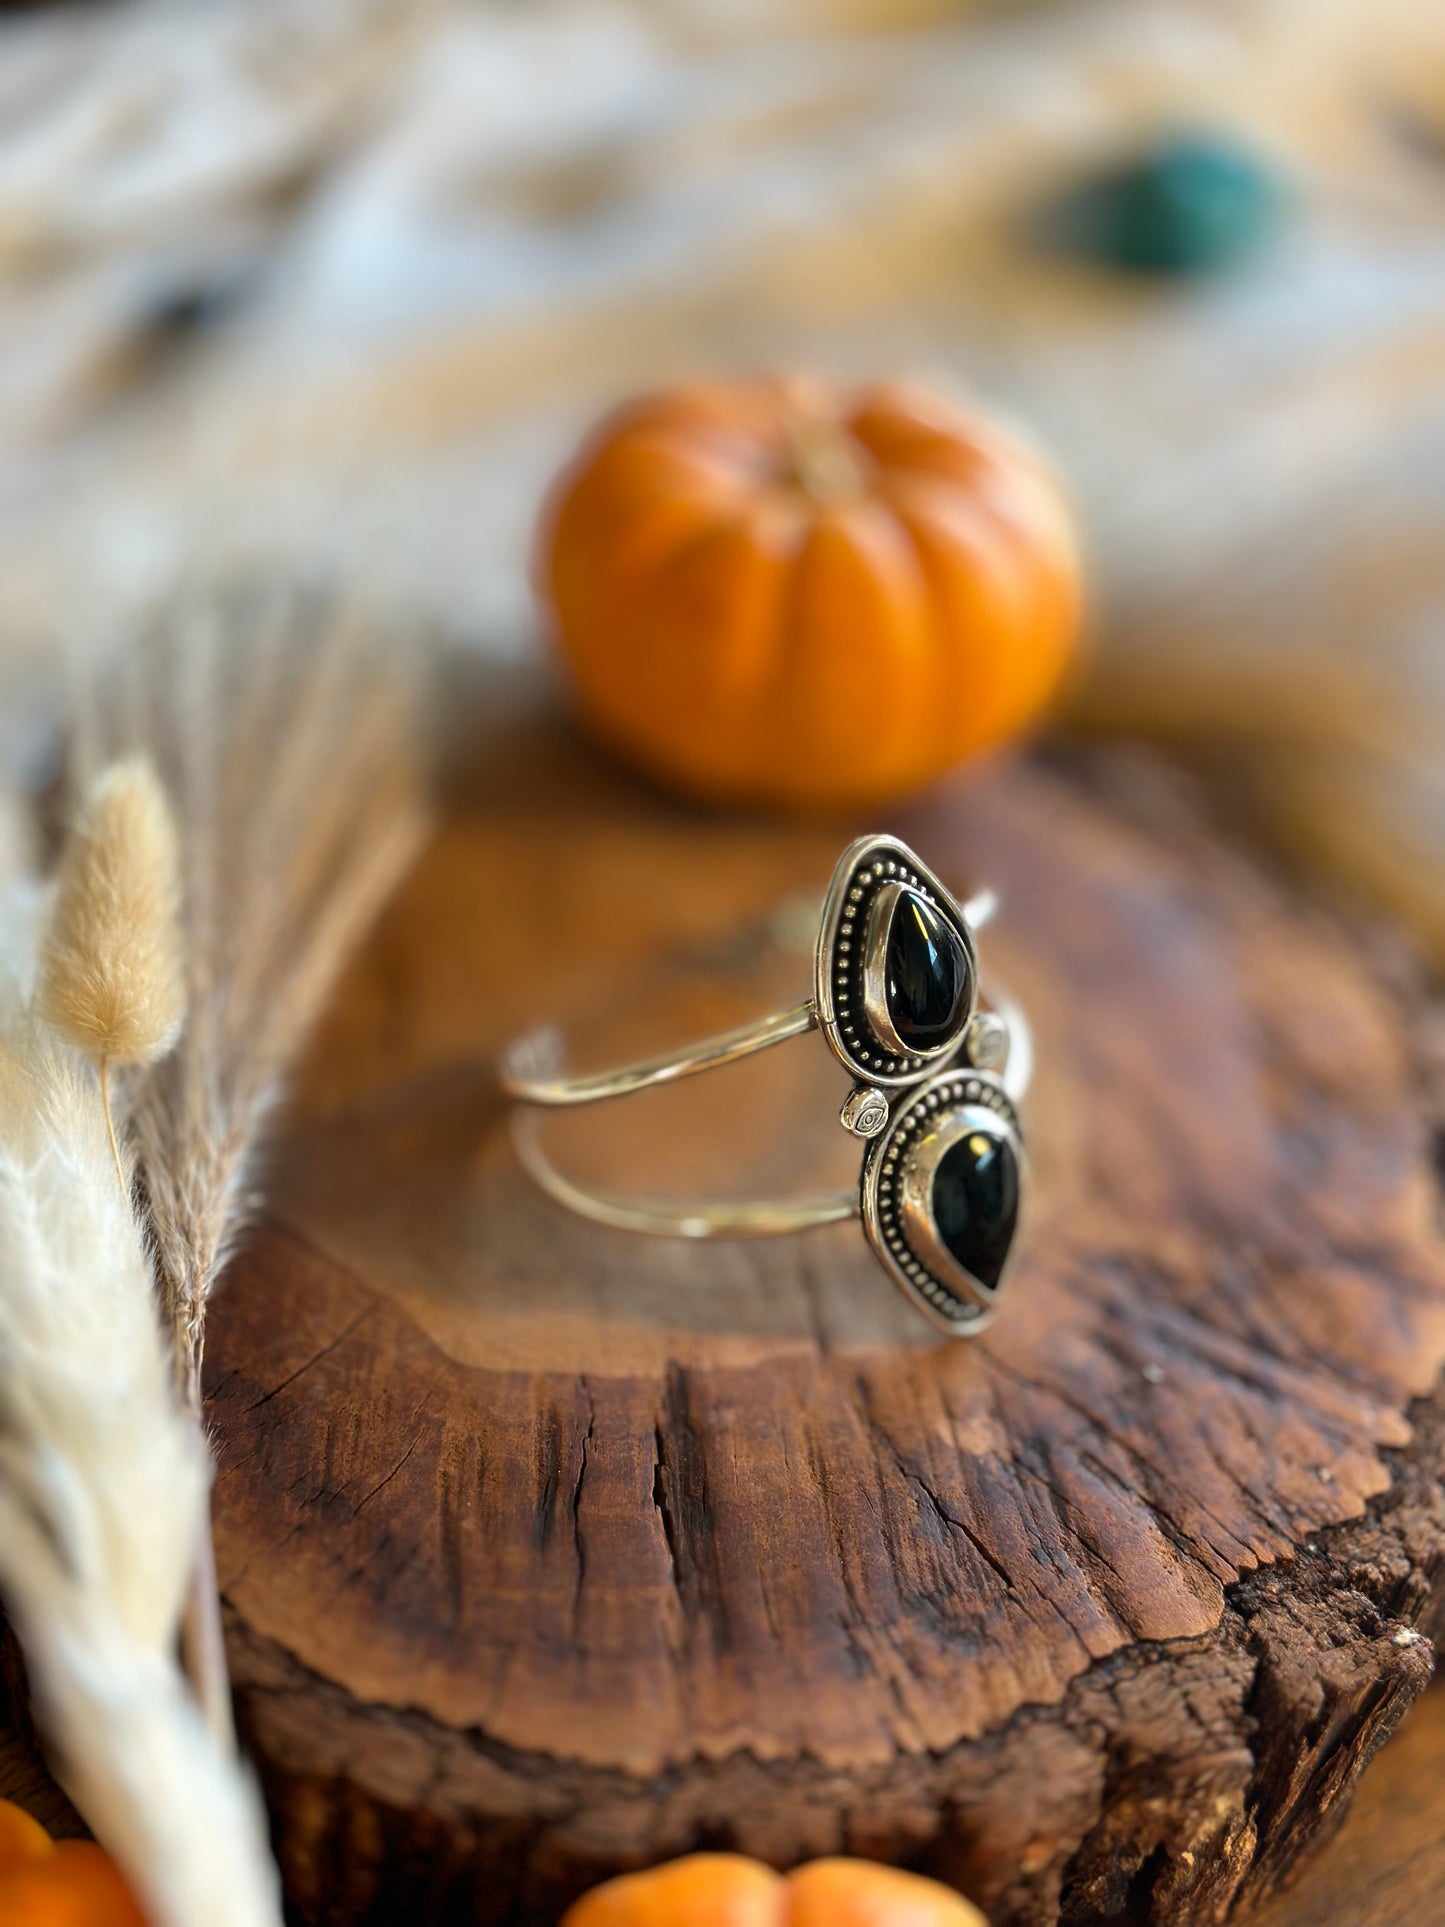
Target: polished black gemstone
[[976, 1202], [926, 973]]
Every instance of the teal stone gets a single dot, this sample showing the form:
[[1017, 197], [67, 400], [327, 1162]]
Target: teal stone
[[1191, 204]]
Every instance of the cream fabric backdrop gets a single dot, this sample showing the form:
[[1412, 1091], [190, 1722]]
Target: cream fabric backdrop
[[439, 238]]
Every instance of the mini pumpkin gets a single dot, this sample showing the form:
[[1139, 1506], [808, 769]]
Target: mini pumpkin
[[58, 1883], [22, 1839], [727, 1890], [784, 592]]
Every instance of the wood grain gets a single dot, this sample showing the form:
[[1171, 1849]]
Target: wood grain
[[548, 1551], [1387, 1866]]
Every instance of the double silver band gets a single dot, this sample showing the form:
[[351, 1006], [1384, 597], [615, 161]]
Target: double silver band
[[992, 1046]]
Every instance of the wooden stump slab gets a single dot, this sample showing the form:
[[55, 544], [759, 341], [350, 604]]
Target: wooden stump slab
[[548, 1550]]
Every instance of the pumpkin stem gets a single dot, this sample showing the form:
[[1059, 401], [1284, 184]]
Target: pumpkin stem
[[823, 459]]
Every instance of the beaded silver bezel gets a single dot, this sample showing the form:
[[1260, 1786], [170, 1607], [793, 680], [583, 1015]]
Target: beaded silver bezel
[[866, 867], [896, 1185]]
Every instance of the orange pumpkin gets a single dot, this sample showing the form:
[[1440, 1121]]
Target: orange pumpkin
[[782, 592], [22, 1839], [726, 1890], [58, 1883], [856, 1893], [705, 1890]]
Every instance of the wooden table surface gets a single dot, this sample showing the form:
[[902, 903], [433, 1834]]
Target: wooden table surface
[[1252, 1681], [1386, 1868], [599, 1549]]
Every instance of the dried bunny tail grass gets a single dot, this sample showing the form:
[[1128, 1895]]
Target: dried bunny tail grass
[[181, 1816], [112, 976], [284, 729], [102, 1489]]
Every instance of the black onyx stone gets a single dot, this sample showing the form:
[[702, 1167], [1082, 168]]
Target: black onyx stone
[[976, 1202], [926, 974]]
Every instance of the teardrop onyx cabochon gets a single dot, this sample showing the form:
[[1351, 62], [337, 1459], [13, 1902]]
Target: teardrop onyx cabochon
[[927, 974], [976, 1203], [895, 976], [942, 1194]]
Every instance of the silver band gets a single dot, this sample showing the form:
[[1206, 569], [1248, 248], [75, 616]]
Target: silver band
[[989, 1046], [751, 1218], [531, 1064], [530, 1071]]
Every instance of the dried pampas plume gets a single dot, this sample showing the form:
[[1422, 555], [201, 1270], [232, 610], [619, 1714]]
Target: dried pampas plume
[[102, 1489], [283, 728], [112, 975]]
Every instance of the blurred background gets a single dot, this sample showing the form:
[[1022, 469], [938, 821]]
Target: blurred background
[[338, 285]]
